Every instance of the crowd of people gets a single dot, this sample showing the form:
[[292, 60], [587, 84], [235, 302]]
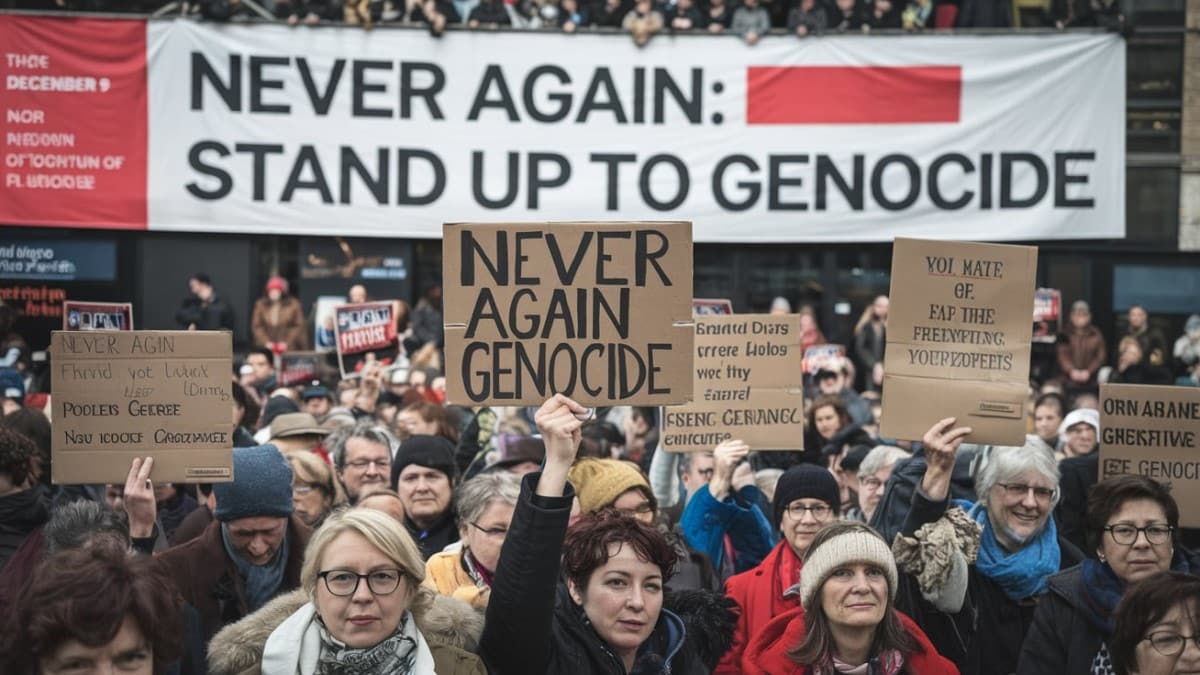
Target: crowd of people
[[750, 19], [373, 526]]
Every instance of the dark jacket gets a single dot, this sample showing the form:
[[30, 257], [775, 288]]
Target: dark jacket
[[215, 315], [487, 12], [192, 526], [1083, 350], [20, 514], [894, 506], [442, 534], [693, 14], [1077, 476], [533, 626], [985, 636], [209, 580]]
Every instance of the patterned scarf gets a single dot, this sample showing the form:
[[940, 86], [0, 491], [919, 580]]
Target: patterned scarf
[[889, 662], [1021, 574], [395, 655]]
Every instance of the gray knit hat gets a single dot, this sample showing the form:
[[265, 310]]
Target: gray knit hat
[[262, 485], [857, 545]]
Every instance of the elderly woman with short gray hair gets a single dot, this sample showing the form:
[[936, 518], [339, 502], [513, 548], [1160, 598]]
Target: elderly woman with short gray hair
[[873, 474], [978, 613], [485, 508]]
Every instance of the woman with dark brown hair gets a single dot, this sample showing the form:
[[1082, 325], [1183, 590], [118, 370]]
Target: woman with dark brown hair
[[847, 622], [1158, 627], [93, 610], [609, 617]]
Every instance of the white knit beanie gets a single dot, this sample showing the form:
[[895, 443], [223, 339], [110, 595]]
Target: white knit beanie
[[850, 547]]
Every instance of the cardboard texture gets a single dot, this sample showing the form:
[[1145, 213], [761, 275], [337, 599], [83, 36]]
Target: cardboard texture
[[601, 312], [97, 315], [959, 339], [749, 385], [365, 332], [711, 306], [1154, 431], [162, 394]]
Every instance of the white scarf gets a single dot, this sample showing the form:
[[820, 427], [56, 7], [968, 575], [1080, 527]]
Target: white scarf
[[295, 646]]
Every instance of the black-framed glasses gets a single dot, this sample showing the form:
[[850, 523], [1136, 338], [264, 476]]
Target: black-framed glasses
[[1169, 643], [491, 531], [344, 582], [1019, 490], [1126, 535], [818, 511]]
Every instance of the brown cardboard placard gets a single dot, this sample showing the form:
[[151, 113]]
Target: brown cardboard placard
[[601, 312], [958, 341], [1154, 430], [79, 315], [749, 385], [162, 394]]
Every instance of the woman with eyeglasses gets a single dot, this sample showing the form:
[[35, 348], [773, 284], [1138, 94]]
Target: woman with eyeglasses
[[979, 612], [1158, 627], [1133, 525], [315, 490], [806, 499], [485, 510], [361, 610]]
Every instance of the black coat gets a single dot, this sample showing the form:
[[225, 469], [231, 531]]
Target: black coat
[[985, 636], [894, 506], [215, 315], [1079, 474], [533, 626], [21, 513]]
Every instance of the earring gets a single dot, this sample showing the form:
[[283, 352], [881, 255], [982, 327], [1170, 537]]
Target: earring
[[1101, 557]]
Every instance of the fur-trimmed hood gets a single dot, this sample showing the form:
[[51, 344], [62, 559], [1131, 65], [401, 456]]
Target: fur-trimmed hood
[[238, 648]]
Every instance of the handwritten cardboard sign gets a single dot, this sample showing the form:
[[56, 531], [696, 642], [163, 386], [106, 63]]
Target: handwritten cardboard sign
[[162, 394], [601, 312], [97, 315], [959, 339], [749, 385], [1154, 431], [365, 332]]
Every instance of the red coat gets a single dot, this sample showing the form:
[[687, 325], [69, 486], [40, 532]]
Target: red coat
[[759, 595], [767, 652]]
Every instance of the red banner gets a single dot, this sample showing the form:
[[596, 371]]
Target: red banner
[[74, 131]]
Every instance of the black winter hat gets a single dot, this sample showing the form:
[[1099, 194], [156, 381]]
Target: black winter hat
[[434, 452], [806, 481]]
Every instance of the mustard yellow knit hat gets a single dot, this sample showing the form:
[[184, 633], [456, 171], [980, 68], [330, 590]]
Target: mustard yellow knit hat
[[598, 482]]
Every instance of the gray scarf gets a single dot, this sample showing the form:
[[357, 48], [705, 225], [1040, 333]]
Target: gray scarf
[[394, 656], [262, 581]]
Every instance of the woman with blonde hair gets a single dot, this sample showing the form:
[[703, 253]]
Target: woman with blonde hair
[[361, 609], [315, 490]]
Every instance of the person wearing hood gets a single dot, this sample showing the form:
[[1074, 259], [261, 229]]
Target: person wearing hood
[[806, 499], [361, 610], [277, 322], [979, 614], [24, 503], [848, 622], [1133, 523], [609, 617]]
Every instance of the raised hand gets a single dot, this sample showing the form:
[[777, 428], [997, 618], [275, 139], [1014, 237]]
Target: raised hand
[[561, 421], [725, 458], [941, 448], [139, 498]]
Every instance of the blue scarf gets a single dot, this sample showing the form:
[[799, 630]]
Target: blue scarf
[[1101, 590], [1021, 574], [262, 581]]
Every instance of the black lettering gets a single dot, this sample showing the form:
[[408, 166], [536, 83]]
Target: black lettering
[[404, 196], [613, 161], [851, 192], [321, 101], [307, 156], [611, 101], [752, 189], [259, 152], [495, 75], [468, 248], [935, 188], [1007, 160], [563, 100], [196, 161], [521, 258], [681, 172], [914, 182], [510, 194], [513, 317], [536, 182], [485, 308], [258, 84], [664, 84], [776, 182], [1062, 179], [362, 88], [376, 184], [231, 93], [643, 255], [410, 91]]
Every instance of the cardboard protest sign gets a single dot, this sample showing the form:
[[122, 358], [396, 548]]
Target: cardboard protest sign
[[295, 368], [97, 315], [749, 385], [1154, 431], [1047, 315], [365, 332], [817, 356], [160, 394], [600, 312], [958, 339], [711, 307]]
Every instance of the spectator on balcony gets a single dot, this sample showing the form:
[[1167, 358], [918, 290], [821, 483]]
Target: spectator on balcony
[[1076, 13], [572, 17], [807, 18], [489, 14], [643, 22], [882, 14], [917, 15], [750, 21], [435, 14], [684, 15], [1081, 350], [985, 14], [720, 16]]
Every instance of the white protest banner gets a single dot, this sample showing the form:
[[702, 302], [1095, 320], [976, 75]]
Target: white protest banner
[[849, 138]]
